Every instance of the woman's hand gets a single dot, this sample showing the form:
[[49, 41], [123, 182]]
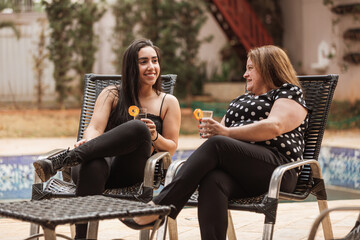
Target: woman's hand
[[152, 127], [209, 127], [80, 142]]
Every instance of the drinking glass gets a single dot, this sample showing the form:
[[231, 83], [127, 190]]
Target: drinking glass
[[142, 113], [207, 114]]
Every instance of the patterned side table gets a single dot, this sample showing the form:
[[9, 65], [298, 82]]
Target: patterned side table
[[53, 212]]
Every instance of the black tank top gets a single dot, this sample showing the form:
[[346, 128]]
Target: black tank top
[[157, 119]]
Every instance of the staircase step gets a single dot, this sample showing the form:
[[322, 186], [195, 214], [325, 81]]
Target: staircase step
[[352, 34], [346, 8], [352, 57], [240, 23]]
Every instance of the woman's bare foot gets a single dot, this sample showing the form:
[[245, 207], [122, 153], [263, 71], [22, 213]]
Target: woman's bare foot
[[143, 220], [146, 219]]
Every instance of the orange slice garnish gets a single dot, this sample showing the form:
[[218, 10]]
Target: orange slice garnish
[[198, 114], [133, 111]]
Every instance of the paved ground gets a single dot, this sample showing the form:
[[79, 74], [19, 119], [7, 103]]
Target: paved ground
[[293, 222]]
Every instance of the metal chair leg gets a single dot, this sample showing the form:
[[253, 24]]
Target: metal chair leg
[[161, 233], [173, 232], [144, 234], [230, 229], [72, 230], [49, 234], [324, 214], [268, 231], [92, 231], [172, 225], [326, 223], [34, 229]]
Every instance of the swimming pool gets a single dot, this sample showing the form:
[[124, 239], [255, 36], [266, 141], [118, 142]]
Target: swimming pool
[[340, 166]]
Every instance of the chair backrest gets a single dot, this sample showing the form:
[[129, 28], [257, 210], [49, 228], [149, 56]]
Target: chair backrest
[[318, 92], [95, 83]]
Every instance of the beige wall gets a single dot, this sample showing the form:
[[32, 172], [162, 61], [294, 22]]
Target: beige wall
[[224, 91], [307, 23], [293, 31], [210, 52]]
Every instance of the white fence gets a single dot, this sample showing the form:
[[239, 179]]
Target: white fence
[[17, 75]]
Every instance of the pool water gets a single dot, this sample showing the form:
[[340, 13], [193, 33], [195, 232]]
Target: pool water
[[340, 166]]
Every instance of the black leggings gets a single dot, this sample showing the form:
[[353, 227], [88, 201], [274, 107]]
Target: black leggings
[[114, 159], [222, 168]]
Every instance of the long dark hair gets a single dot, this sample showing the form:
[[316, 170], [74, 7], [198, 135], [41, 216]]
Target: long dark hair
[[128, 93]]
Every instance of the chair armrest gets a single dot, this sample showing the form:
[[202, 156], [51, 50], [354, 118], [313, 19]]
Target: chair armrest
[[150, 167], [324, 213], [172, 170], [276, 177]]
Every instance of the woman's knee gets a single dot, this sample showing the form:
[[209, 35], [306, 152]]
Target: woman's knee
[[210, 179], [215, 139], [139, 129], [212, 182], [211, 146], [217, 142]]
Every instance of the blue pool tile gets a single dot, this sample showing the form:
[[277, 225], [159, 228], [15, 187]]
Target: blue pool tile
[[16, 176], [340, 166]]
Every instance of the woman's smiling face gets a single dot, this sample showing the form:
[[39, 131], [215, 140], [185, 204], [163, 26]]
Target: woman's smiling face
[[149, 68], [254, 82]]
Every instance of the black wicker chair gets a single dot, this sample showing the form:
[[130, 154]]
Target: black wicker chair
[[354, 233], [155, 168], [319, 91]]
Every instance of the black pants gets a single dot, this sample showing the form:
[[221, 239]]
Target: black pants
[[222, 168], [114, 159]]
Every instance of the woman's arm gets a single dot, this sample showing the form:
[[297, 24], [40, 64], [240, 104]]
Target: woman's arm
[[285, 115], [106, 100], [223, 121], [168, 140]]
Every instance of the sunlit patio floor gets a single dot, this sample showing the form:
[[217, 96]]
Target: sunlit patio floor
[[294, 221]]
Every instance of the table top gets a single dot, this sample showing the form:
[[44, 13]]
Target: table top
[[53, 212]]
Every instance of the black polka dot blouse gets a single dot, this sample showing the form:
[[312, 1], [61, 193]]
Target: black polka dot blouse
[[247, 109]]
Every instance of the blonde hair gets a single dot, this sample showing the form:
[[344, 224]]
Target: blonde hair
[[273, 65]]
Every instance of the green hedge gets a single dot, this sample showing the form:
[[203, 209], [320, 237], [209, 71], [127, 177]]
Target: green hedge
[[219, 108], [342, 115]]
